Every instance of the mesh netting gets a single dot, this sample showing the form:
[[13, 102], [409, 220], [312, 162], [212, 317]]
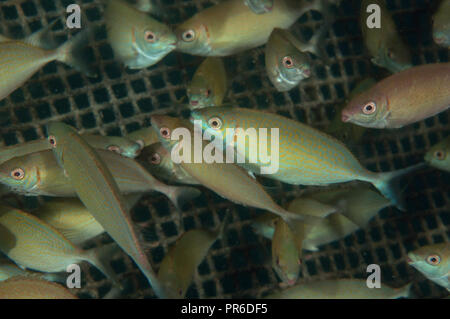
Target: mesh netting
[[120, 101]]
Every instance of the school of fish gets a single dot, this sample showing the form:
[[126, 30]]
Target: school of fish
[[88, 184]]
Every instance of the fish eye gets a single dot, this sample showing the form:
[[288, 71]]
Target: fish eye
[[188, 35], [150, 36], [165, 132], [208, 93], [288, 62], [439, 155], [18, 174], [215, 123], [114, 148], [369, 108], [434, 260], [155, 159], [52, 141], [391, 54]]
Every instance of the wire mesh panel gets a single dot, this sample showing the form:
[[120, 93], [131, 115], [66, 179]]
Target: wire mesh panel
[[120, 101]]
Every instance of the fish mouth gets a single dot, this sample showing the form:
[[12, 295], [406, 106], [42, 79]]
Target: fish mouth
[[345, 118], [194, 103], [439, 39], [410, 259]]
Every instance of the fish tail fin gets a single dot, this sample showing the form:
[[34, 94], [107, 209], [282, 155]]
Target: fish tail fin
[[100, 258], [43, 37], [180, 195], [71, 53], [60, 277], [316, 44], [388, 184]]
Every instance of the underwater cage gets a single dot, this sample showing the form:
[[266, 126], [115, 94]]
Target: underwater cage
[[121, 101]]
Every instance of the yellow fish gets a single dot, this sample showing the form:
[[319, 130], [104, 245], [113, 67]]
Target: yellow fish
[[340, 289], [39, 174], [136, 38], [20, 59], [433, 261], [33, 288], [344, 211], [181, 262], [10, 270], [120, 145], [231, 26], [34, 244], [96, 188], [305, 155], [384, 44], [209, 84]]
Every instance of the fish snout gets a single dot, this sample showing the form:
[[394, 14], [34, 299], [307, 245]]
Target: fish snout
[[345, 117], [194, 102]]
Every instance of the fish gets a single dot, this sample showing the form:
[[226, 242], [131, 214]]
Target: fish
[[433, 261], [441, 25], [120, 145], [157, 160], [137, 39], [144, 137], [347, 132], [209, 84], [439, 155], [9, 270], [36, 245], [33, 288], [97, 189], [259, 6], [230, 182], [72, 219], [38, 174], [306, 156], [285, 253], [402, 98], [340, 289], [230, 27], [181, 262], [287, 62], [344, 211], [21, 59], [385, 44]]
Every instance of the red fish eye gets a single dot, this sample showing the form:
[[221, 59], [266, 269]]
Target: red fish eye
[[52, 141], [165, 132], [188, 35], [439, 155], [215, 123], [369, 108], [433, 260], [155, 159], [114, 148], [288, 62], [150, 36], [18, 174]]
